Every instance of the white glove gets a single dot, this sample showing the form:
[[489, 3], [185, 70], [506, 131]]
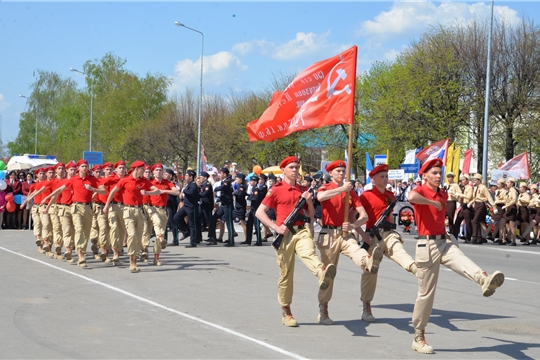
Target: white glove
[[469, 205], [496, 211]]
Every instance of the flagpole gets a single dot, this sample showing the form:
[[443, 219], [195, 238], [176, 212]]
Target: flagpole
[[350, 147]]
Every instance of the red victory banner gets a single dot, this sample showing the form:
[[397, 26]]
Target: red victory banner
[[519, 164], [321, 95]]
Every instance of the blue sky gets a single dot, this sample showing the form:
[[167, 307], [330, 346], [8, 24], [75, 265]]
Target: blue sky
[[245, 42]]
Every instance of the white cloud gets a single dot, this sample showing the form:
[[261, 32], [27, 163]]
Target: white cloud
[[303, 44], [3, 103], [217, 69], [407, 19]]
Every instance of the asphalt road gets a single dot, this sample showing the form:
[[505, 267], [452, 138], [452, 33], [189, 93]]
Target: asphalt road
[[221, 303]]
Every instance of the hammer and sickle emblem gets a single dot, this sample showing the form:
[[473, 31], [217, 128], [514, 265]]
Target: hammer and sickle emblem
[[342, 75]]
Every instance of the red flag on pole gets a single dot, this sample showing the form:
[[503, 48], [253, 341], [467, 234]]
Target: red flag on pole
[[321, 95], [436, 150], [467, 157], [520, 164]]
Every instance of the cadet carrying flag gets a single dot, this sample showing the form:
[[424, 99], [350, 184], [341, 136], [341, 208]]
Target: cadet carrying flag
[[321, 95]]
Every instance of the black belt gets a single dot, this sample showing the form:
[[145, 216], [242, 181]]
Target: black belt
[[80, 203], [451, 201], [382, 228], [331, 227], [160, 207], [433, 237], [117, 203], [133, 206]]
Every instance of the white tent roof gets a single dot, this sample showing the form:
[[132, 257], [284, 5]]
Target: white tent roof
[[36, 161]]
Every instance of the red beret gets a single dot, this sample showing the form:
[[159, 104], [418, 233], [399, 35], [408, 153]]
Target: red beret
[[137, 164], [430, 164], [119, 162], [288, 160], [108, 165], [97, 167], [377, 169], [335, 164], [50, 168], [41, 170], [82, 161], [158, 165], [59, 164], [147, 167], [71, 164]]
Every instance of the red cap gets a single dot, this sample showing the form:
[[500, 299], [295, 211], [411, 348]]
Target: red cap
[[335, 164], [59, 164], [137, 164], [158, 165], [82, 161], [119, 162], [288, 160], [41, 170], [71, 164], [430, 164], [108, 165], [147, 167], [97, 167], [377, 169]]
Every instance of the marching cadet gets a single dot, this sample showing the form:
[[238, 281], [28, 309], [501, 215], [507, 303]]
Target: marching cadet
[[133, 187], [523, 211], [95, 232], [283, 198], [52, 210], [510, 213], [117, 226], [102, 219], [83, 186], [225, 209], [34, 188], [481, 196], [453, 197], [158, 209], [534, 218], [148, 224], [255, 199], [190, 209], [498, 211], [436, 247], [375, 201], [335, 237], [207, 201], [464, 212]]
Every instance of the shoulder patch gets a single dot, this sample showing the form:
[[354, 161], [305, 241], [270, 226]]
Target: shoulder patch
[[269, 193]]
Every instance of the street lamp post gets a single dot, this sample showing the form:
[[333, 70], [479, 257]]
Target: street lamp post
[[91, 103], [200, 100], [37, 112]]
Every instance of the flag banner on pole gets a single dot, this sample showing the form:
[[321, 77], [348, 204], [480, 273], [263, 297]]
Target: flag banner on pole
[[321, 95], [456, 160], [467, 157], [450, 158], [519, 164], [434, 151], [369, 167], [204, 161]]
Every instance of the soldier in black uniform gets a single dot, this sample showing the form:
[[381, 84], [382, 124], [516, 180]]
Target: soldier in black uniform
[[256, 197], [190, 209], [240, 203], [225, 210], [271, 213], [207, 201], [172, 207]]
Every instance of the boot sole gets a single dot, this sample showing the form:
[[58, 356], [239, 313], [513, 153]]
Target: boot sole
[[497, 279], [377, 256], [329, 275]]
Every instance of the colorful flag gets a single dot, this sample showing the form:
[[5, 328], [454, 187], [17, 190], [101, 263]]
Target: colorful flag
[[519, 164], [450, 158], [321, 95], [456, 159], [369, 167], [204, 161], [467, 155], [434, 151]]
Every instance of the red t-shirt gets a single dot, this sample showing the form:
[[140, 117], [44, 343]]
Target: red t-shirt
[[66, 195], [429, 221], [375, 203], [282, 197], [111, 182], [80, 194], [132, 189], [333, 209], [161, 200], [37, 186], [102, 199]]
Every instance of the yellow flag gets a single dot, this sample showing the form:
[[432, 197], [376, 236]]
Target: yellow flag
[[301, 172], [456, 160], [387, 157], [449, 158]]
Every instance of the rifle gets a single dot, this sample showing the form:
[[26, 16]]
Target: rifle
[[382, 222], [289, 221]]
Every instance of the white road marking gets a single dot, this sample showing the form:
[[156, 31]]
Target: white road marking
[[153, 303], [516, 251]]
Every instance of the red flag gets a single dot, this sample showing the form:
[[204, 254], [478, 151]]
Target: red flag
[[467, 157], [321, 95], [519, 164], [436, 150]]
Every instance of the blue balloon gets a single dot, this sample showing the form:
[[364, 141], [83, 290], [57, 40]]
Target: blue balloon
[[2, 175], [248, 177], [18, 199]]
